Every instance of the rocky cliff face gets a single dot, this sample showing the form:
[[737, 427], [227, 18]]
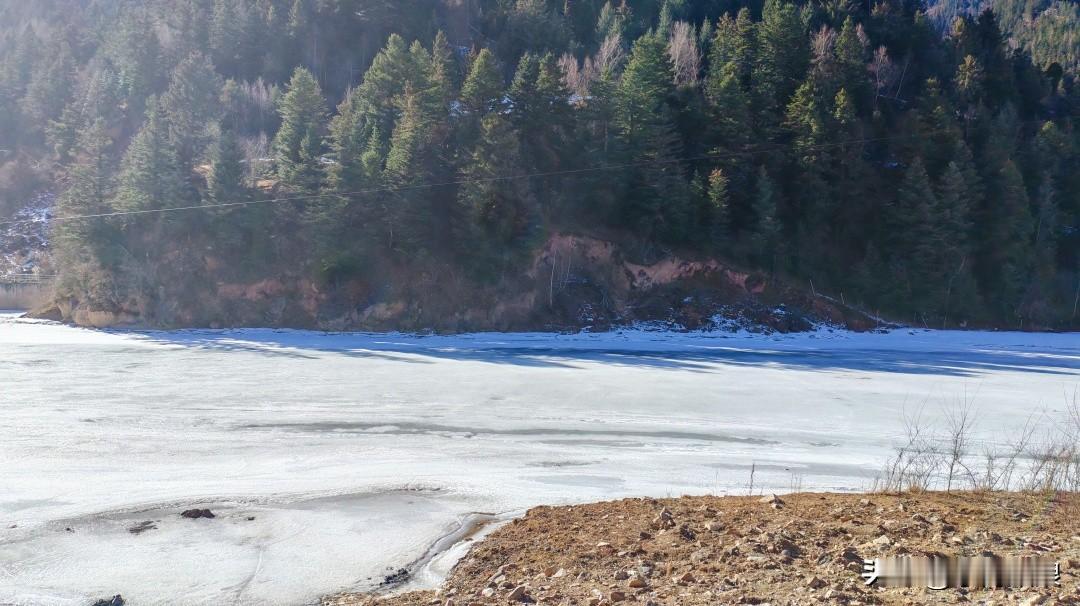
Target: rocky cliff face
[[572, 282]]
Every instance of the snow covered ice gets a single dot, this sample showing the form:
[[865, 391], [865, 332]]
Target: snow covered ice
[[333, 460]]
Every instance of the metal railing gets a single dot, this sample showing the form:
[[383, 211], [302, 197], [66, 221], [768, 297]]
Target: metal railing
[[26, 279]]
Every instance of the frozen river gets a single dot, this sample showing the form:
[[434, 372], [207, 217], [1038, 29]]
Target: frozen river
[[331, 460]]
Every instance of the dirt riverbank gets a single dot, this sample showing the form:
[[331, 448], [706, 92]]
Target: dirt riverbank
[[802, 549]]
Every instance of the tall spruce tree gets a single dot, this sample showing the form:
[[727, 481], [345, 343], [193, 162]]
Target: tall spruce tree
[[298, 143], [657, 195]]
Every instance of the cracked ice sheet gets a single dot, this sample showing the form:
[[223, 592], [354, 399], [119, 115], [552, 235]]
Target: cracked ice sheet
[[355, 451]]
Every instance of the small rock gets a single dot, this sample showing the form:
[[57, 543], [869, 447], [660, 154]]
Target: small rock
[[882, 540], [621, 575], [714, 526], [637, 582], [617, 596], [1034, 600], [815, 583], [605, 547], [518, 594], [194, 514], [487, 592], [771, 500], [685, 578], [663, 520], [142, 527], [116, 600]]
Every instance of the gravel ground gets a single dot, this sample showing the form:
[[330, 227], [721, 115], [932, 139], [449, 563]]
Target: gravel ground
[[797, 549]]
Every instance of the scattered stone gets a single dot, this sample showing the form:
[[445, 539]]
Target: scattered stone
[[142, 527], [882, 540], [771, 500], [637, 582], [685, 578], [194, 514], [397, 577], [251, 518], [487, 592], [663, 520], [621, 575], [617, 596], [518, 594], [815, 583], [116, 600], [605, 548]]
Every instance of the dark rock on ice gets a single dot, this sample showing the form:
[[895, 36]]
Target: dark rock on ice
[[195, 514]]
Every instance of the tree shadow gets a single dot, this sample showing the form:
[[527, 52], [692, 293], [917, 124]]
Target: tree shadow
[[694, 352]]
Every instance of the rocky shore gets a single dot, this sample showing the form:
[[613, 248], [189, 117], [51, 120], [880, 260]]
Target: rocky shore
[[789, 550]]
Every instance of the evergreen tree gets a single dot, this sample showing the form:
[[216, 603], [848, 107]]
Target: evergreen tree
[[657, 196], [913, 243], [150, 176], [297, 146], [89, 193], [192, 105], [766, 231], [498, 214], [1014, 229], [226, 178], [482, 91], [782, 56]]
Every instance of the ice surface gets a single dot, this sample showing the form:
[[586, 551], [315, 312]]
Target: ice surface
[[355, 452]]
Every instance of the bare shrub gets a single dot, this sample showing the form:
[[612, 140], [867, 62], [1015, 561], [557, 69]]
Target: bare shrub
[[1043, 455]]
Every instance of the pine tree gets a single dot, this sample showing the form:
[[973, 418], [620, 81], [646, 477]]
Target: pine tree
[[150, 175], [657, 199], [297, 146], [913, 243], [50, 86], [444, 70], [226, 178], [91, 187], [1013, 230], [482, 91], [782, 56], [497, 215], [851, 57], [766, 231], [192, 105], [960, 298]]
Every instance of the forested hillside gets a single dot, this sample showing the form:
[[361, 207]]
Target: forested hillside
[[1049, 30], [352, 154]]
